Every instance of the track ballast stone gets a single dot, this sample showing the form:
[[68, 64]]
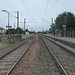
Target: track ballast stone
[[37, 61]]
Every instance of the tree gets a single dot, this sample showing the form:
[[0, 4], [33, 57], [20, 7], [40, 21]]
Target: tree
[[66, 18], [15, 31], [70, 21], [20, 31]]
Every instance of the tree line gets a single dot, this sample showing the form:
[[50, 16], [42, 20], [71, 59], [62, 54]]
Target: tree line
[[21, 31], [66, 18]]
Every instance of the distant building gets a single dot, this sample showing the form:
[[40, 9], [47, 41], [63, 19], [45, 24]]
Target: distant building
[[2, 31]]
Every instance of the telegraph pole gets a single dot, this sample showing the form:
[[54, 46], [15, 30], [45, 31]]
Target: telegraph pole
[[52, 24], [18, 21], [14, 28], [24, 25]]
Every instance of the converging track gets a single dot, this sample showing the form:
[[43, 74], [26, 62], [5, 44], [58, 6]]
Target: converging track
[[65, 59], [43, 57], [37, 61], [9, 60]]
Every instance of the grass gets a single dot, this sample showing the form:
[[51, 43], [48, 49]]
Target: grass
[[3, 45], [6, 44], [25, 36]]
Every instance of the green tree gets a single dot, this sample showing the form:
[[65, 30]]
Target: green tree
[[67, 18]]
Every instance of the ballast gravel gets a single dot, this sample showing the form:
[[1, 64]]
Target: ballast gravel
[[65, 58], [37, 61]]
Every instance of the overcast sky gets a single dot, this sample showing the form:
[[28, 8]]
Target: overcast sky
[[38, 13]]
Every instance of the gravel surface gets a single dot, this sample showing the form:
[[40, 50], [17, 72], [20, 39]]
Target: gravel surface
[[9, 60], [65, 58], [37, 61]]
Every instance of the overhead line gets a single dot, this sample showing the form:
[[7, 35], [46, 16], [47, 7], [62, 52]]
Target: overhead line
[[12, 6], [25, 7], [63, 6], [58, 6], [28, 7], [53, 6], [46, 8]]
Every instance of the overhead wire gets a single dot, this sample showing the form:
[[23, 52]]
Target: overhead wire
[[55, 5], [63, 7], [13, 7], [10, 5], [46, 8], [45, 20], [30, 10], [25, 7], [51, 8], [28, 6]]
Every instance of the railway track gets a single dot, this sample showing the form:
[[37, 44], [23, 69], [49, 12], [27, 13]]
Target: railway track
[[65, 59], [9, 60], [66, 47], [43, 64]]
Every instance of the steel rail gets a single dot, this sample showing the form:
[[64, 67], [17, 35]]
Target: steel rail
[[60, 45], [55, 59], [14, 48], [3, 56], [19, 58]]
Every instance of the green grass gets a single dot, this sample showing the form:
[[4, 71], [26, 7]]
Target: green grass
[[25, 36], [3, 45]]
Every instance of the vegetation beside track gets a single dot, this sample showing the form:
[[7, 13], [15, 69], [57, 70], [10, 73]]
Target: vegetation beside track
[[7, 44], [3, 45]]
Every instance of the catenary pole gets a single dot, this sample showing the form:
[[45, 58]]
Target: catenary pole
[[24, 25], [18, 21]]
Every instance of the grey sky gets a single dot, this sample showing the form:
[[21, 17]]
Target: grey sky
[[36, 12]]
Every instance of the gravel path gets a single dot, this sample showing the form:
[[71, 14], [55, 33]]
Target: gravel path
[[65, 58], [37, 61]]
